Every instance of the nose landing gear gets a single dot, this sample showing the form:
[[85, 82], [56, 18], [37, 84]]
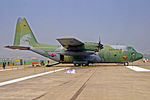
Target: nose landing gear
[[126, 63]]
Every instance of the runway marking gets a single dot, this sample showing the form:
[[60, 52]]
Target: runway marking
[[138, 69], [10, 69], [29, 77]]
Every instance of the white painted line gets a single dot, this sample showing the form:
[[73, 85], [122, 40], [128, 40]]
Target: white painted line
[[29, 77], [138, 69], [10, 69]]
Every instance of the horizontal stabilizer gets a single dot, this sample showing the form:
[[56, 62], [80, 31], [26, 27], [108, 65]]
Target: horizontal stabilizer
[[18, 47]]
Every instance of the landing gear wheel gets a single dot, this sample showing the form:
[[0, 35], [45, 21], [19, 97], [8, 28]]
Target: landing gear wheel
[[75, 64], [86, 64], [126, 63], [83, 64]]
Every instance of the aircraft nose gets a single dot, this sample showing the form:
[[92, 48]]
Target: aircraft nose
[[139, 56]]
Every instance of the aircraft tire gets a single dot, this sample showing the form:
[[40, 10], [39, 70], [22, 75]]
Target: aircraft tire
[[83, 64], [86, 64], [75, 64], [126, 63]]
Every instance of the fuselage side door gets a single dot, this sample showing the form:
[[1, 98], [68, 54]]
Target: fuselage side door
[[61, 58]]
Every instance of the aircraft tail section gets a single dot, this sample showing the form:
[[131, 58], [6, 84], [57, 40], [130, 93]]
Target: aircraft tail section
[[24, 35]]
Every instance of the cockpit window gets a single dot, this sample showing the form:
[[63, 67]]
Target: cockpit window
[[131, 49], [122, 47]]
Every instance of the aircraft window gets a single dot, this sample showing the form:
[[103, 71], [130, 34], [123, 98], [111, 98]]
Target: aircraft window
[[121, 47], [131, 49]]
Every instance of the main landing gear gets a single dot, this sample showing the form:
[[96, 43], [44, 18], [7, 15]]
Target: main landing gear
[[81, 64]]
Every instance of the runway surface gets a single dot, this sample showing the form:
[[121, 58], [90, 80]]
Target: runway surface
[[97, 82]]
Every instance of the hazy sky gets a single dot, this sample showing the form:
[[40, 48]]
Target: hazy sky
[[124, 22]]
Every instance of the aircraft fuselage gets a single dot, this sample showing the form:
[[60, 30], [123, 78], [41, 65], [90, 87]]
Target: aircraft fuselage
[[109, 54]]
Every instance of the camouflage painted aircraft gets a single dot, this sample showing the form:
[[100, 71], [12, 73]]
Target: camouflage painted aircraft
[[73, 50]]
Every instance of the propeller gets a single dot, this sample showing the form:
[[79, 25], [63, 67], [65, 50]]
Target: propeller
[[100, 46]]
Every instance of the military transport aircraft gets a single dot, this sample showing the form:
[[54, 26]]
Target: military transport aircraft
[[72, 50]]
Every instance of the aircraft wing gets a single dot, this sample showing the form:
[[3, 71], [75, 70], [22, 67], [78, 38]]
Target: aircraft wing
[[71, 43]]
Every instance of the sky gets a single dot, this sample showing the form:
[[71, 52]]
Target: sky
[[123, 22]]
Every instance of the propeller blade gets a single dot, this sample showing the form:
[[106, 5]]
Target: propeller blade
[[100, 46]]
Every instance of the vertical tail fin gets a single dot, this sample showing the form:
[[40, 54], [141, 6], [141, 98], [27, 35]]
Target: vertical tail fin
[[23, 34]]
